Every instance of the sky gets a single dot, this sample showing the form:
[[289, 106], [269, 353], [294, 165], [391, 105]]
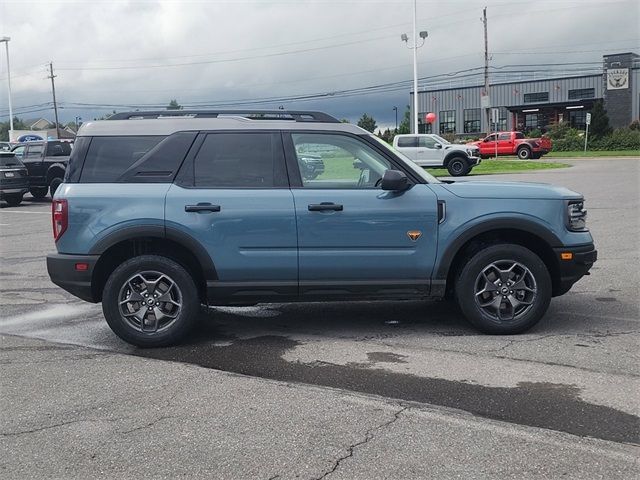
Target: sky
[[344, 57]]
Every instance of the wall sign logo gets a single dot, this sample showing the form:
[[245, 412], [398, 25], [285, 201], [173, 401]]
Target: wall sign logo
[[617, 78]]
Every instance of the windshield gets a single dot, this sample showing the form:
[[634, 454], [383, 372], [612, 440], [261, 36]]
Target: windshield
[[443, 141], [422, 173]]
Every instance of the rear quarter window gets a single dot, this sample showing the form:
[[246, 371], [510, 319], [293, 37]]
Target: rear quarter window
[[109, 157]]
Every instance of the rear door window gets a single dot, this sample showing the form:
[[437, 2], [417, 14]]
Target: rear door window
[[404, 142], [240, 160], [109, 157], [34, 152]]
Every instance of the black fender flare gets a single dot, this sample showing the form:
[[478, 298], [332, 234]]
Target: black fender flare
[[443, 263], [455, 153], [56, 166], [159, 231]]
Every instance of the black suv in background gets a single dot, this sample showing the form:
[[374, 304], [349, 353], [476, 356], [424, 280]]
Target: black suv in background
[[13, 179], [46, 163]]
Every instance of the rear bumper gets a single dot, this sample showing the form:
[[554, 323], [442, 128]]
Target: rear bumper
[[572, 270], [62, 271], [14, 189]]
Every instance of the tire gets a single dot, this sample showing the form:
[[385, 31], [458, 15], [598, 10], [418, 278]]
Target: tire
[[14, 199], [38, 192], [54, 184], [498, 314], [524, 153], [133, 279], [458, 167]]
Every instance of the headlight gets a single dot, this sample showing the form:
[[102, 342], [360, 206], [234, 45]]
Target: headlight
[[576, 216]]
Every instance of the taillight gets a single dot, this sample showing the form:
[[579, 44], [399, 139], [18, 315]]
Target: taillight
[[59, 217]]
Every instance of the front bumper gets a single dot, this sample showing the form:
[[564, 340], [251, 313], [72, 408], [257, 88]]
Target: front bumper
[[473, 161], [573, 269], [62, 271]]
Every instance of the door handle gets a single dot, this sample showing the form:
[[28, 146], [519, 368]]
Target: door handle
[[324, 206], [202, 207]]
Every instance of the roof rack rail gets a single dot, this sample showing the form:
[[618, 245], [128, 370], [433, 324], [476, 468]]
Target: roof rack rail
[[298, 116]]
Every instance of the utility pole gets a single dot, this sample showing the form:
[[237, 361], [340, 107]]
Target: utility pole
[[487, 108], [5, 40], [55, 105]]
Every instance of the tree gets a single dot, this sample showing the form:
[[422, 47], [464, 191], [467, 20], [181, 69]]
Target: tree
[[5, 126], [387, 135], [405, 125], [599, 121], [368, 123], [174, 105], [344, 120]]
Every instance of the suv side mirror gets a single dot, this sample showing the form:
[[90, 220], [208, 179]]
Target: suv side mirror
[[394, 180], [438, 145]]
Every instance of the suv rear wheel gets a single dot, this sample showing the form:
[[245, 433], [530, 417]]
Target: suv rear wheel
[[504, 289], [150, 301], [13, 199]]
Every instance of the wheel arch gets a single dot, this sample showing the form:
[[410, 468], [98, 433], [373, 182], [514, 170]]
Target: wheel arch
[[454, 154], [55, 169], [518, 231], [130, 242]]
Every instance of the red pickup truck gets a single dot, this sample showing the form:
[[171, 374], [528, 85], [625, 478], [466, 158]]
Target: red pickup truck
[[513, 143]]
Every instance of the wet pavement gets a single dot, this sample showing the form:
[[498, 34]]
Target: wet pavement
[[575, 372]]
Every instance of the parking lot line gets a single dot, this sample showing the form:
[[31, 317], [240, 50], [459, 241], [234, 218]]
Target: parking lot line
[[25, 211]]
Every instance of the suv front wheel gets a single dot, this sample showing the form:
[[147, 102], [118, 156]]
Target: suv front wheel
[[504, 289], [150, 301], [458, 167]]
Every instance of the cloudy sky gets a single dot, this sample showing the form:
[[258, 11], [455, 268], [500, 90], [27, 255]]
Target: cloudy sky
[[344, 57]]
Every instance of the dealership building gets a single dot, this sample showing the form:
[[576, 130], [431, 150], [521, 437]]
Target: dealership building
[[534, 104]]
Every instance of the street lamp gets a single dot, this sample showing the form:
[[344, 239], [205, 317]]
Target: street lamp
[[395, 109], [6, 45], [415, 47]]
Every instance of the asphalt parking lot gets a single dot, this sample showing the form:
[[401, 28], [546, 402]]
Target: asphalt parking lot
[[356, 390]]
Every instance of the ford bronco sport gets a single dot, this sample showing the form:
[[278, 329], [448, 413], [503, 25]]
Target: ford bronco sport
[[161, 212]]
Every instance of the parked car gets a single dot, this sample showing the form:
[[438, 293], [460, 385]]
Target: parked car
[[46, 163], [5, 147], [158, 216], [14, 182], [433, 151], [513, 143], [311, 165]]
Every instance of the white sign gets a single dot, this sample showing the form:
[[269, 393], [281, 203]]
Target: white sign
[[617, 78], [485, 101], [588, 119], [495, 112]]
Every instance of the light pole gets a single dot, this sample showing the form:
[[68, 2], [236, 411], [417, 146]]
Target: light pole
[[6, 45], [415, 47], [395, 109], [78, 120]]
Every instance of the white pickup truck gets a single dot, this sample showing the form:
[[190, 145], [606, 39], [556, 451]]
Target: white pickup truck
[[433, 151]]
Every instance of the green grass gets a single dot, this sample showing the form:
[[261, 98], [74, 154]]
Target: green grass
[[342, 168], [488, 167], [610, 153]]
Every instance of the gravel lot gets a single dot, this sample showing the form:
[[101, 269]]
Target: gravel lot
[[357, 390]]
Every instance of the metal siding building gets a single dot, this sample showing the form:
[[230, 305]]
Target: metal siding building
[[530, 104]]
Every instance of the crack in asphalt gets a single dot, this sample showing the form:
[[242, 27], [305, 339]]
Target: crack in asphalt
[[368, 436], [61, 424]]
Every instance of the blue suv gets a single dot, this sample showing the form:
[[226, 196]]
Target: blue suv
[[161, 212]]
